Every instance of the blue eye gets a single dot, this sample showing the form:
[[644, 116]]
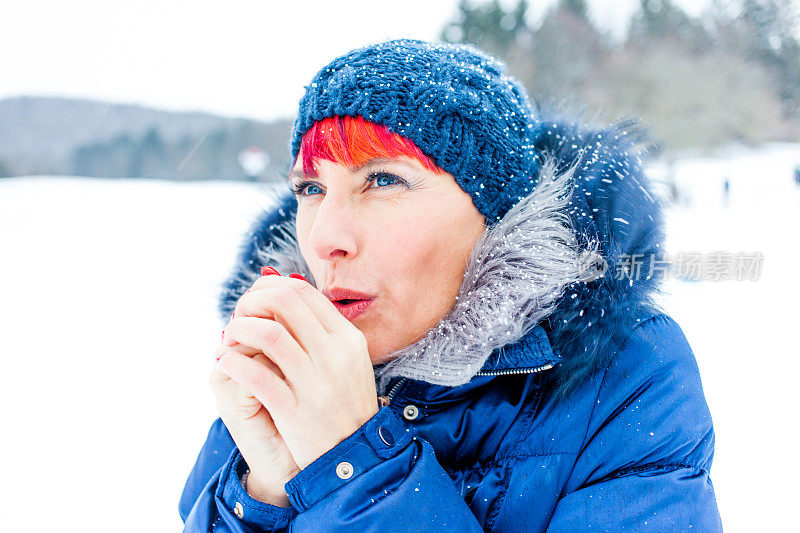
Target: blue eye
[[377, 176], [299, 188], [380, 178]]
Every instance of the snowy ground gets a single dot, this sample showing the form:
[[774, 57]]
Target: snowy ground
[[108, 311]]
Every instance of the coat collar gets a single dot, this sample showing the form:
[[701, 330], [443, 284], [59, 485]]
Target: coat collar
[[531, 354]]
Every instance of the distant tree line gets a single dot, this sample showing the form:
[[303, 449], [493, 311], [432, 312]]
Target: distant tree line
[[211, 155], [64, 136], [729, 75]]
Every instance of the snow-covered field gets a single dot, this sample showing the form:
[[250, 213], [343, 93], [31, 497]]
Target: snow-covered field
[[108, 321]]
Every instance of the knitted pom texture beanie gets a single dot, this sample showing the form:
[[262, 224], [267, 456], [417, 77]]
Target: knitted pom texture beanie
[[456, 103]]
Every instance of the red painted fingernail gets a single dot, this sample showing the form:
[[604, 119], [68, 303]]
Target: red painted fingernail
[[295, 275], [227, 341], [223, 336], [267, 271]]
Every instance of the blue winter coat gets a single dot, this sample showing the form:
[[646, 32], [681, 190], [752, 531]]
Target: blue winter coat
[[594, 419]]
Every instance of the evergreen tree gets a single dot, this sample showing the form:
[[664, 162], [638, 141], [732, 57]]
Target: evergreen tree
[[576, 7], [488, 26], [769, 31], [567, 50], [4, 170], [662, 19]]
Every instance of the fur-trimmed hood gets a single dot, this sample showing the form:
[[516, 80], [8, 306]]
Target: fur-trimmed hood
[[552, 265]]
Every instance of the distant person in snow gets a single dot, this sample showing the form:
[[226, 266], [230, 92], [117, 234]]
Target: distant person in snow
[[464, 340], [726, 191], [797, 174]]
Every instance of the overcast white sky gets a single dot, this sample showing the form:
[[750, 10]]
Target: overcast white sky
[[244, 58]]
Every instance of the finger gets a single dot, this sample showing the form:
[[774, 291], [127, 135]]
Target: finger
[[266, 361], [241, 348], [265, 271], [263, 383], [286, 306], [236, 312], [327, 314], [217, 378], [271, 338], [232, 398]]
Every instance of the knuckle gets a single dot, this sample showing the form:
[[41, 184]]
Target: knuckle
[[216, 379], [239, 394], [264, 282], [235, 396], [357, 338], [240, 303], [260, 381], [285, 296], [273, 333], [221, 388], [301, 287], [247, 410], [259, 284]]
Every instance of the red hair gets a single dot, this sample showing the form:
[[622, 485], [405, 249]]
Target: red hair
[[353, 141]]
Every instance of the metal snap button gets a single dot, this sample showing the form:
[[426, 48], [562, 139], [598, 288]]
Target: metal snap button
[[385, 436], [410, 412], [238, 510], [344, 470]]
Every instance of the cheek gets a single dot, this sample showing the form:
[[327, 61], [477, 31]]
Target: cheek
[[303, 225], [423, 261], [303, 221], [413, 248]]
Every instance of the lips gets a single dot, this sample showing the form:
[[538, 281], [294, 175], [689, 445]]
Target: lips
[[352, 310], [350, 303], [336, 294]]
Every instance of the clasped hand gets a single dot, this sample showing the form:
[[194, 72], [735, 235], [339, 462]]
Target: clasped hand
[[293, 379]]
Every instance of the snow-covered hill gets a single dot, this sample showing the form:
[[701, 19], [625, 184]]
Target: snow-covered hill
[[108, 317]]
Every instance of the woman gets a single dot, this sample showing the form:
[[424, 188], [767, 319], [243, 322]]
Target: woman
[[469, 353]]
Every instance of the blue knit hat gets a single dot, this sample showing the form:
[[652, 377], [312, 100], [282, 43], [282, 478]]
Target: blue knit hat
[[456, 103]]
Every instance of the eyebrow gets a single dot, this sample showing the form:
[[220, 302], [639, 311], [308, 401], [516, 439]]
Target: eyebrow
[[298, 172]]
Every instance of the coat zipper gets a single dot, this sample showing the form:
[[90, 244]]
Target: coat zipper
[[387, 399], [532, 370]]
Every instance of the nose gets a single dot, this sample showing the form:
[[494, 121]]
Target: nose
[[333, 232]]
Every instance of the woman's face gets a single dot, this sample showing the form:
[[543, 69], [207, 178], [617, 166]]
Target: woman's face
[[391, 229]]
